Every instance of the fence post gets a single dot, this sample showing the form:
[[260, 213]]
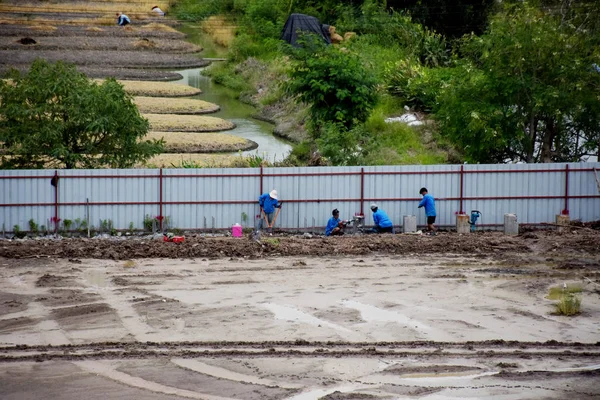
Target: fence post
[[362, 191], [160, 200], [566, 210], [55, 184], [462, 188], [261, 182]]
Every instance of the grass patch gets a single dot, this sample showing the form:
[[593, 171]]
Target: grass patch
[[220, 29], [43, 28], [272, 241], [187, 123], [144, 43], [159, 89], [557, 292], [165, 105], [194, 160], [129, 264], [399, 143], [184, 142], [569, 304], [156, 27]]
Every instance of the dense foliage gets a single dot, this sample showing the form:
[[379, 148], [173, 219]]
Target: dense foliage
[[519, 85], [54, 116], [335, 84]]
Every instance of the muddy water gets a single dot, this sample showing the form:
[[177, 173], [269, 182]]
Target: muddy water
[[269, 146], [260, 132]]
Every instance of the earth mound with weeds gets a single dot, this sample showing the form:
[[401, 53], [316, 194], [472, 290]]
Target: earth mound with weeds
[[185, 142], [159, 89], [187, 123], [549, 247], [165, 105]]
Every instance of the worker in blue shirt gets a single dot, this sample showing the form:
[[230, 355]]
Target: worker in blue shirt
[[122, 19], [383, 223], [335, 226], [429, 203], [268, 203]]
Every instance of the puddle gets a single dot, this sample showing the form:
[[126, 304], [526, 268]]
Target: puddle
[[576, 369], [223, 373], [96, 278], [372, 314], [431, 379], [319, 393], [292, 314]]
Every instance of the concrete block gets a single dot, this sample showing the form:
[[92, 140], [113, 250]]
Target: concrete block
[[409, 223], [562, 220], [462, 223], [511, 226]]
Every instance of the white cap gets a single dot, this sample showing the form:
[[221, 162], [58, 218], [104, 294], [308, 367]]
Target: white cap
[[373, 205], [273, 194]]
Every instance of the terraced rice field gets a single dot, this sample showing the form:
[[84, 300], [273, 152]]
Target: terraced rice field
[[86, 34]]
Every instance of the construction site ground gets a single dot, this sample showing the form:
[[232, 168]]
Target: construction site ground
[[290, 317]]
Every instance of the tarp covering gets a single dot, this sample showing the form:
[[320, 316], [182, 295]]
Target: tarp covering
[[298, 24]]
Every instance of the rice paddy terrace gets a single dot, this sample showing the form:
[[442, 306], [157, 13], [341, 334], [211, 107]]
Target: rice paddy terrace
[[140, 55]]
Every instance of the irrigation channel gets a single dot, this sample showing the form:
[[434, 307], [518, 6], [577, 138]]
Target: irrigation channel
[[269, 146]]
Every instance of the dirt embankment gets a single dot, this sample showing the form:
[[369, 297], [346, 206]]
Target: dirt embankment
[[284, 113], [543, 245]]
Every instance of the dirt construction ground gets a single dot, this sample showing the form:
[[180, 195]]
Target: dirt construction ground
[[389, 317]]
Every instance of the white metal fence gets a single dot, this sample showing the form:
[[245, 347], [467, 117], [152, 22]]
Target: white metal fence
[[218, 198]]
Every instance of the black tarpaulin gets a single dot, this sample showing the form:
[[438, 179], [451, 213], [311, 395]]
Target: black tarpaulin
[[298, 24]]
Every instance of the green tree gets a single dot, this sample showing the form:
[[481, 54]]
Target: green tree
[[335, 84], [529, 92], [55, 116]]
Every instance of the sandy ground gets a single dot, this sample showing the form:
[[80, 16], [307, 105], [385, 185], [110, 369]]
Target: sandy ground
[[348, 326]]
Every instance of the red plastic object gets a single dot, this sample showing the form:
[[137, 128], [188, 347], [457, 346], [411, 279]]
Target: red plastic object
[[174, 239]]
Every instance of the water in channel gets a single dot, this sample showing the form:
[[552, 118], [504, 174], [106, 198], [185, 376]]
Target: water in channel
[[270, 147]]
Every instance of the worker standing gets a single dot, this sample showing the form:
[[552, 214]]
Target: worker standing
[[382, 222], [268, 203], [429, 203], [335, 227]]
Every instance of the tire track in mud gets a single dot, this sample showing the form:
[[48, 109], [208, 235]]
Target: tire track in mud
[[143, 350]]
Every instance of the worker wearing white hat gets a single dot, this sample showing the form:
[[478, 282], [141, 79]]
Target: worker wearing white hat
[[382, 222], [268, 203]]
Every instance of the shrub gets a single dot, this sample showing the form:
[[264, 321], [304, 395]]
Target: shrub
[[569, 304], [33, 226]]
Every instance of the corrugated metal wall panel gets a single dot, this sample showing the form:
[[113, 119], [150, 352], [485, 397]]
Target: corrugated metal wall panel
[[442, 186], [308, 200], [206, 185], [26, 191]]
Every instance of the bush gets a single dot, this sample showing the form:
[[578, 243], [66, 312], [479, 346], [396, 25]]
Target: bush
[[193, 10], [569, 304], [335, 84]]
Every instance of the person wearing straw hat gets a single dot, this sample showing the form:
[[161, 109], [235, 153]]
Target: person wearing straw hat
[[383, 224], [268, 203]]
